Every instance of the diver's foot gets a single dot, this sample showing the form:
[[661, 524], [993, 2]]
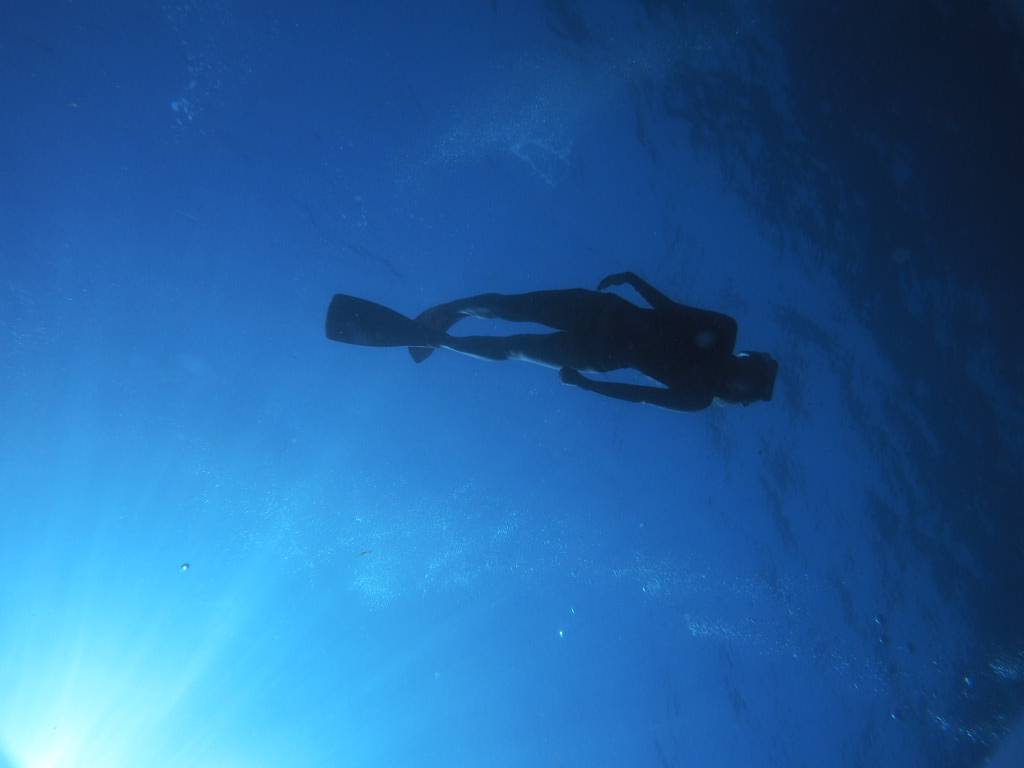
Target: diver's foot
[[442, 317], [439, 318]]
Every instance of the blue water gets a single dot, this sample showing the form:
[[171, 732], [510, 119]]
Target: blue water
[[226, 541]]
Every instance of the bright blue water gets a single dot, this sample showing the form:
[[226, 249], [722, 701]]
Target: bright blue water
[[468, 563]]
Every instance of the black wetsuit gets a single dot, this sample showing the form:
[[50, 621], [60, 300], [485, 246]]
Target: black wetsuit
[[689, 350]]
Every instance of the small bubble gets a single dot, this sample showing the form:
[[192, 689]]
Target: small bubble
[[184, 567]]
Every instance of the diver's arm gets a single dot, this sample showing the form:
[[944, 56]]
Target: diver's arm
[[634, 393], [651, 295]]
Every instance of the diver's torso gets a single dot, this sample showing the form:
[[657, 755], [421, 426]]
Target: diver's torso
[[684, 350]]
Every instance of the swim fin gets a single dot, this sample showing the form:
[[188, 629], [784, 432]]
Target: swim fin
[[439, 318], [357, 321], [419, 354]]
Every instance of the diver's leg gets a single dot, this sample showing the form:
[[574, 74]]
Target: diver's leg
[[566, 310], [603, 321], [574, 309], [554, 350]]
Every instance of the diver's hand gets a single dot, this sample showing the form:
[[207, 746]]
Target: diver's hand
[[619, 278], [571, 376]]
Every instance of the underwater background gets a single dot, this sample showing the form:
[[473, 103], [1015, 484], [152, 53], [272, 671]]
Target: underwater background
[[226, 541]]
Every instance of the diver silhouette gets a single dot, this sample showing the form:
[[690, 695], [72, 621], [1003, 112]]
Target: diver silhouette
[[688, 350]]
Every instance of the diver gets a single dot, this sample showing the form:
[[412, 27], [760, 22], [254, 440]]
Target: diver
[[689, 351]]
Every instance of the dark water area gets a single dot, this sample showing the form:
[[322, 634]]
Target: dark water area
[[902, 144]]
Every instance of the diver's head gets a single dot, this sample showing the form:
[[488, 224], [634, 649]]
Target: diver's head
[[748, 377]]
